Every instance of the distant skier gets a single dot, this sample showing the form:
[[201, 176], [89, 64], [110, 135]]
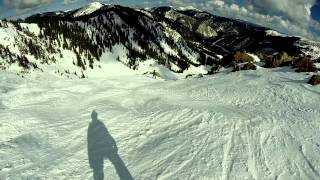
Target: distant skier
[[154, 75]]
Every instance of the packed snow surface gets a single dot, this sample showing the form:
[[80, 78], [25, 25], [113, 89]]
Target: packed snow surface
[[260, 124]]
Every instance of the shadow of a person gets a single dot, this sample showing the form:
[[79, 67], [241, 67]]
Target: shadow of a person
[[101, 145]]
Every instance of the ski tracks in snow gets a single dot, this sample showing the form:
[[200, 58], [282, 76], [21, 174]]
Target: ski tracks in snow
[[230, 126]]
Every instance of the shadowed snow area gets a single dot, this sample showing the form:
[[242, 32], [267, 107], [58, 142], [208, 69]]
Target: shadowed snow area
[[246, 125]]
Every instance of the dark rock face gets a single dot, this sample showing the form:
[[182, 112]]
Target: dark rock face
[[215, 69], [305, 65], [249, 66], [314, 80]]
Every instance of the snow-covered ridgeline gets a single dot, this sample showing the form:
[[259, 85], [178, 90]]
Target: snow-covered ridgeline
[[90, 8]]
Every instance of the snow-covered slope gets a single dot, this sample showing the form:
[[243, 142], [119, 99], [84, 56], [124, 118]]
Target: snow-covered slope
[[308, 47], [246, 125], [311, 48], [90, 8], [276, 33], [261, 124]]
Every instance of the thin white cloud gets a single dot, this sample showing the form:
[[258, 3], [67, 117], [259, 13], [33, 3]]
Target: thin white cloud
[[25, 4], [69, 1]]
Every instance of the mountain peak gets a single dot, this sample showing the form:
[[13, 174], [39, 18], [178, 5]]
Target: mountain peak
[[88, 9], [83, 40]]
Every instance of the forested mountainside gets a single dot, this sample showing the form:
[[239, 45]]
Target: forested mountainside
[[78, 41]]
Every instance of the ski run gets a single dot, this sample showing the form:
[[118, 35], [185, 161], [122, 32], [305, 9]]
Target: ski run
[[258, 125]]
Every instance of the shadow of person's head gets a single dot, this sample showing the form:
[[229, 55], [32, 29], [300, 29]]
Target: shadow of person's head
[[94, 115]]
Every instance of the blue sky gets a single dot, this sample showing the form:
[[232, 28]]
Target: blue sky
[[298, 17], [316, 11]]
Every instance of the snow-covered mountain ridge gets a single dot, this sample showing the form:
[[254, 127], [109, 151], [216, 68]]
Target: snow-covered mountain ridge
[[79, 43], [90, 8]]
